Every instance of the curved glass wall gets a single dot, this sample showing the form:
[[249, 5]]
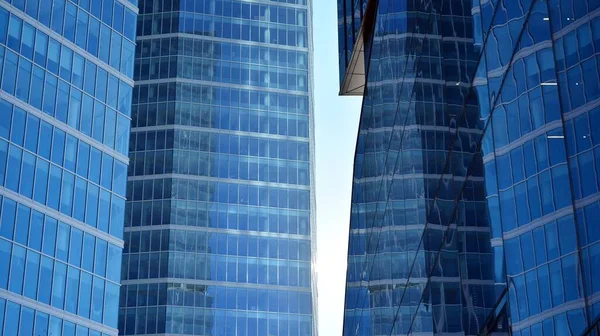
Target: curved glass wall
[[65, 111]]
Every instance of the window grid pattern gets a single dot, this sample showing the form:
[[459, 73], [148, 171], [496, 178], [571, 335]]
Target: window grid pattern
[[16, 319], [218, 221], [98, 27], [57, 170], [65, 111], [66, 90]]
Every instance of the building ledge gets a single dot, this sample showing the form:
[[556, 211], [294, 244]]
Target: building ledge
[[354, 80]]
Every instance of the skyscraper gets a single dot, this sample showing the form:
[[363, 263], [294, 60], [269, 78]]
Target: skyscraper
[[475, 198], [66, 72], [219, 230]]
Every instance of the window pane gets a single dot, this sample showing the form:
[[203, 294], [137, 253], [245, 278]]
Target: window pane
[[17, 270], [31, 275], [58, 285]]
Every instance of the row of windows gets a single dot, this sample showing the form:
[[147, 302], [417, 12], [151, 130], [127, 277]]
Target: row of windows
[[221, 166], [222, 51], [435, 114], [221, 216], [400, 321], [415, 161], [199, 266], [403, 265], [407, 138], [58, 240], [200, 115], [239, 145], [252, 299], [408, 212], [217, 243], [431, 67], [409, 239], [570, 323], [111, 12], [453, 25], [22, 320], [245, 10], [440, 293], [98, 39], [68, 105], [223, 96], [54, 283], [62, 149], [222, 71], [61, 61], [200, 321], [233, 193], [60, 190], [222, 27]]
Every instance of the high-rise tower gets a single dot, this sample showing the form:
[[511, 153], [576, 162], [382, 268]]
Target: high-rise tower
[[220, 215], [477, 166], [66, 72]]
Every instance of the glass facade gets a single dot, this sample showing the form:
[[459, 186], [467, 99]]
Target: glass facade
[[66, 78], [477, 168], [219, 224]]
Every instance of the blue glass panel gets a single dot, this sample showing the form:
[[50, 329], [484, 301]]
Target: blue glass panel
[[58, 285], [32, 269], [22, 224], [17, 270], [72, 290], [55, 327], [8, 218], [13, 312], [36, 229], [85, 294], [3, 160], [41, 323], [97, 300], [62, 241], [26, 322], [5, 248], [45, 287]]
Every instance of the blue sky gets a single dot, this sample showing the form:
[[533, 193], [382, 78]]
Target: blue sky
[[336, 123]]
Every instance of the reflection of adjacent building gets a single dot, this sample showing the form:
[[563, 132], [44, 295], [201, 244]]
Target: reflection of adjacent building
[[475, 172], [419, 248], [220, 188]]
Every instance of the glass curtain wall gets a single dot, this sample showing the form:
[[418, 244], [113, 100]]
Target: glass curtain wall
[[219, 223], [420, 257], [66, 72], [506, 95]]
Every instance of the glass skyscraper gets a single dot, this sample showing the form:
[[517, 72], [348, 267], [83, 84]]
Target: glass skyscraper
[[220, 214], [476, 184], [66, 71]]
